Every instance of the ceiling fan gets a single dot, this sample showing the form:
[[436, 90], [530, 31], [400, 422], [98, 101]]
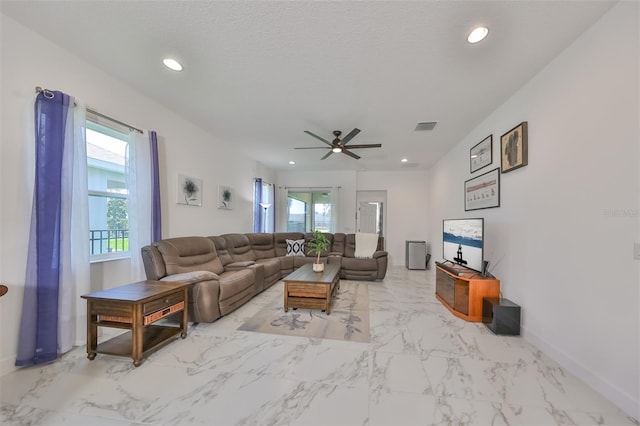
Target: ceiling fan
[[340, 145]]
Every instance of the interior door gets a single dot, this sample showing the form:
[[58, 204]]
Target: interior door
[[368, 217], [371, 212]]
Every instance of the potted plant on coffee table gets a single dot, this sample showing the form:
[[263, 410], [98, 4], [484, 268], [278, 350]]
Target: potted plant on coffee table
[[317, 244]]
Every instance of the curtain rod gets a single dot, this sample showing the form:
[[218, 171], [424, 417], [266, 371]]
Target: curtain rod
[[49, 95]]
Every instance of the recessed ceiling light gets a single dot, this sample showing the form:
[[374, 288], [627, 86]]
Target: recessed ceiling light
[[478, 34], [292, 162], [404, 160], [172, 64]]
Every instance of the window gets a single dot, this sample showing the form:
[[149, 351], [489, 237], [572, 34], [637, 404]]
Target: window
[[308, 211], [263, 206], [108, 191]]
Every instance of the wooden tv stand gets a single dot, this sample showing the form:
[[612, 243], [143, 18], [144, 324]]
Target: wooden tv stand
[[463, 294]]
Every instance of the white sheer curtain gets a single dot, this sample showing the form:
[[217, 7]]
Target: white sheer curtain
[[282, 209], [335, 209], [74, 236], [140, 199]]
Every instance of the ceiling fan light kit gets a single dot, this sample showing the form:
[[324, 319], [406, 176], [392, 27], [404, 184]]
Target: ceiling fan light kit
[[340, 145]]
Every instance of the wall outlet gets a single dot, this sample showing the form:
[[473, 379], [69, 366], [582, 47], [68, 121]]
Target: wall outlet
[[636, 251]]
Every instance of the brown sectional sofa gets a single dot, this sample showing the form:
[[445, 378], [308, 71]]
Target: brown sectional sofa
[[226, 271]]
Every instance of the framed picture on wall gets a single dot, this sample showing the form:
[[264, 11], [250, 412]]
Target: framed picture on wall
[[514, 148], [481, 155], [225, 197], [189, 190], [482, 192]]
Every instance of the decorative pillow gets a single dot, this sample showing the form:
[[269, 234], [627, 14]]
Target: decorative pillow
[[295, 247]]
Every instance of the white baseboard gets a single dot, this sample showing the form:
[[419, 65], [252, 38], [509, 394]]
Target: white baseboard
[[8, 365], [614, 394]]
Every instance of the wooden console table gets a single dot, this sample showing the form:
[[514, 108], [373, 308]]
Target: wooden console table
[[135, 307], [462, 294]]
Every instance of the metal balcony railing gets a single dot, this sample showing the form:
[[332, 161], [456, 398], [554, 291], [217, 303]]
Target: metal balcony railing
[[108, 240]]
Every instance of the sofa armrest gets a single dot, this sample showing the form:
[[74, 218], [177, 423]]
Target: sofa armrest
[[235, 266], [153, 261], [378, 254], [192, 277]]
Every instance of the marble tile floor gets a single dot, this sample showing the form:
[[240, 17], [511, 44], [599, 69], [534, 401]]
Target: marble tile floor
[[423, 366]]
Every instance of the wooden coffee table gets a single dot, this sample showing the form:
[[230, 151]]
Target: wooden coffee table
[[135, 307], [304, 288]]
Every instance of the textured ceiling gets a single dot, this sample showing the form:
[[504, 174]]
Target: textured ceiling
[[257, 74]]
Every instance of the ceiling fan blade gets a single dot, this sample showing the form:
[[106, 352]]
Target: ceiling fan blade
[[311, 147], [371, 145], [350, 136], [318, 137], [327, 154], [350, 154]]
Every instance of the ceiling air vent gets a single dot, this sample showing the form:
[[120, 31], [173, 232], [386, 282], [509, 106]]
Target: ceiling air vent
[[427, 125]]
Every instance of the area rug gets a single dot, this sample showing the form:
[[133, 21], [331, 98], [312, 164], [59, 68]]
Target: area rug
[[349, 318]]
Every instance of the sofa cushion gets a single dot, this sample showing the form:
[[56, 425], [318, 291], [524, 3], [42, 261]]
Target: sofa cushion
[[187, 254], [221, 247], [271, 270], [192, 277], [234, 266], [262, 245], [338, 243], [239, 247], [295, 247]]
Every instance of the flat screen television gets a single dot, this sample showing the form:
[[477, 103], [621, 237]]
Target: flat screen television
[[463, 242]]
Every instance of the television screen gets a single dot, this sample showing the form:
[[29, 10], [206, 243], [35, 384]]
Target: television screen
[[462, 242]]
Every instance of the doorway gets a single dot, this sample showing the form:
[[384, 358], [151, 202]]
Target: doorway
[[371, 212]]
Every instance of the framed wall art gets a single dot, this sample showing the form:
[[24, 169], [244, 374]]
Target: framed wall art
[[514, 149], [189, 190], [482, 192], [481, 155], [225, 197]]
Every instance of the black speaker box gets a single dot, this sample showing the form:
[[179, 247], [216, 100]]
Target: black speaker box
[[501, 316]]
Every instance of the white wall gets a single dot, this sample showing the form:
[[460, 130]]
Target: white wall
[[566, 226], [27, 61]]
